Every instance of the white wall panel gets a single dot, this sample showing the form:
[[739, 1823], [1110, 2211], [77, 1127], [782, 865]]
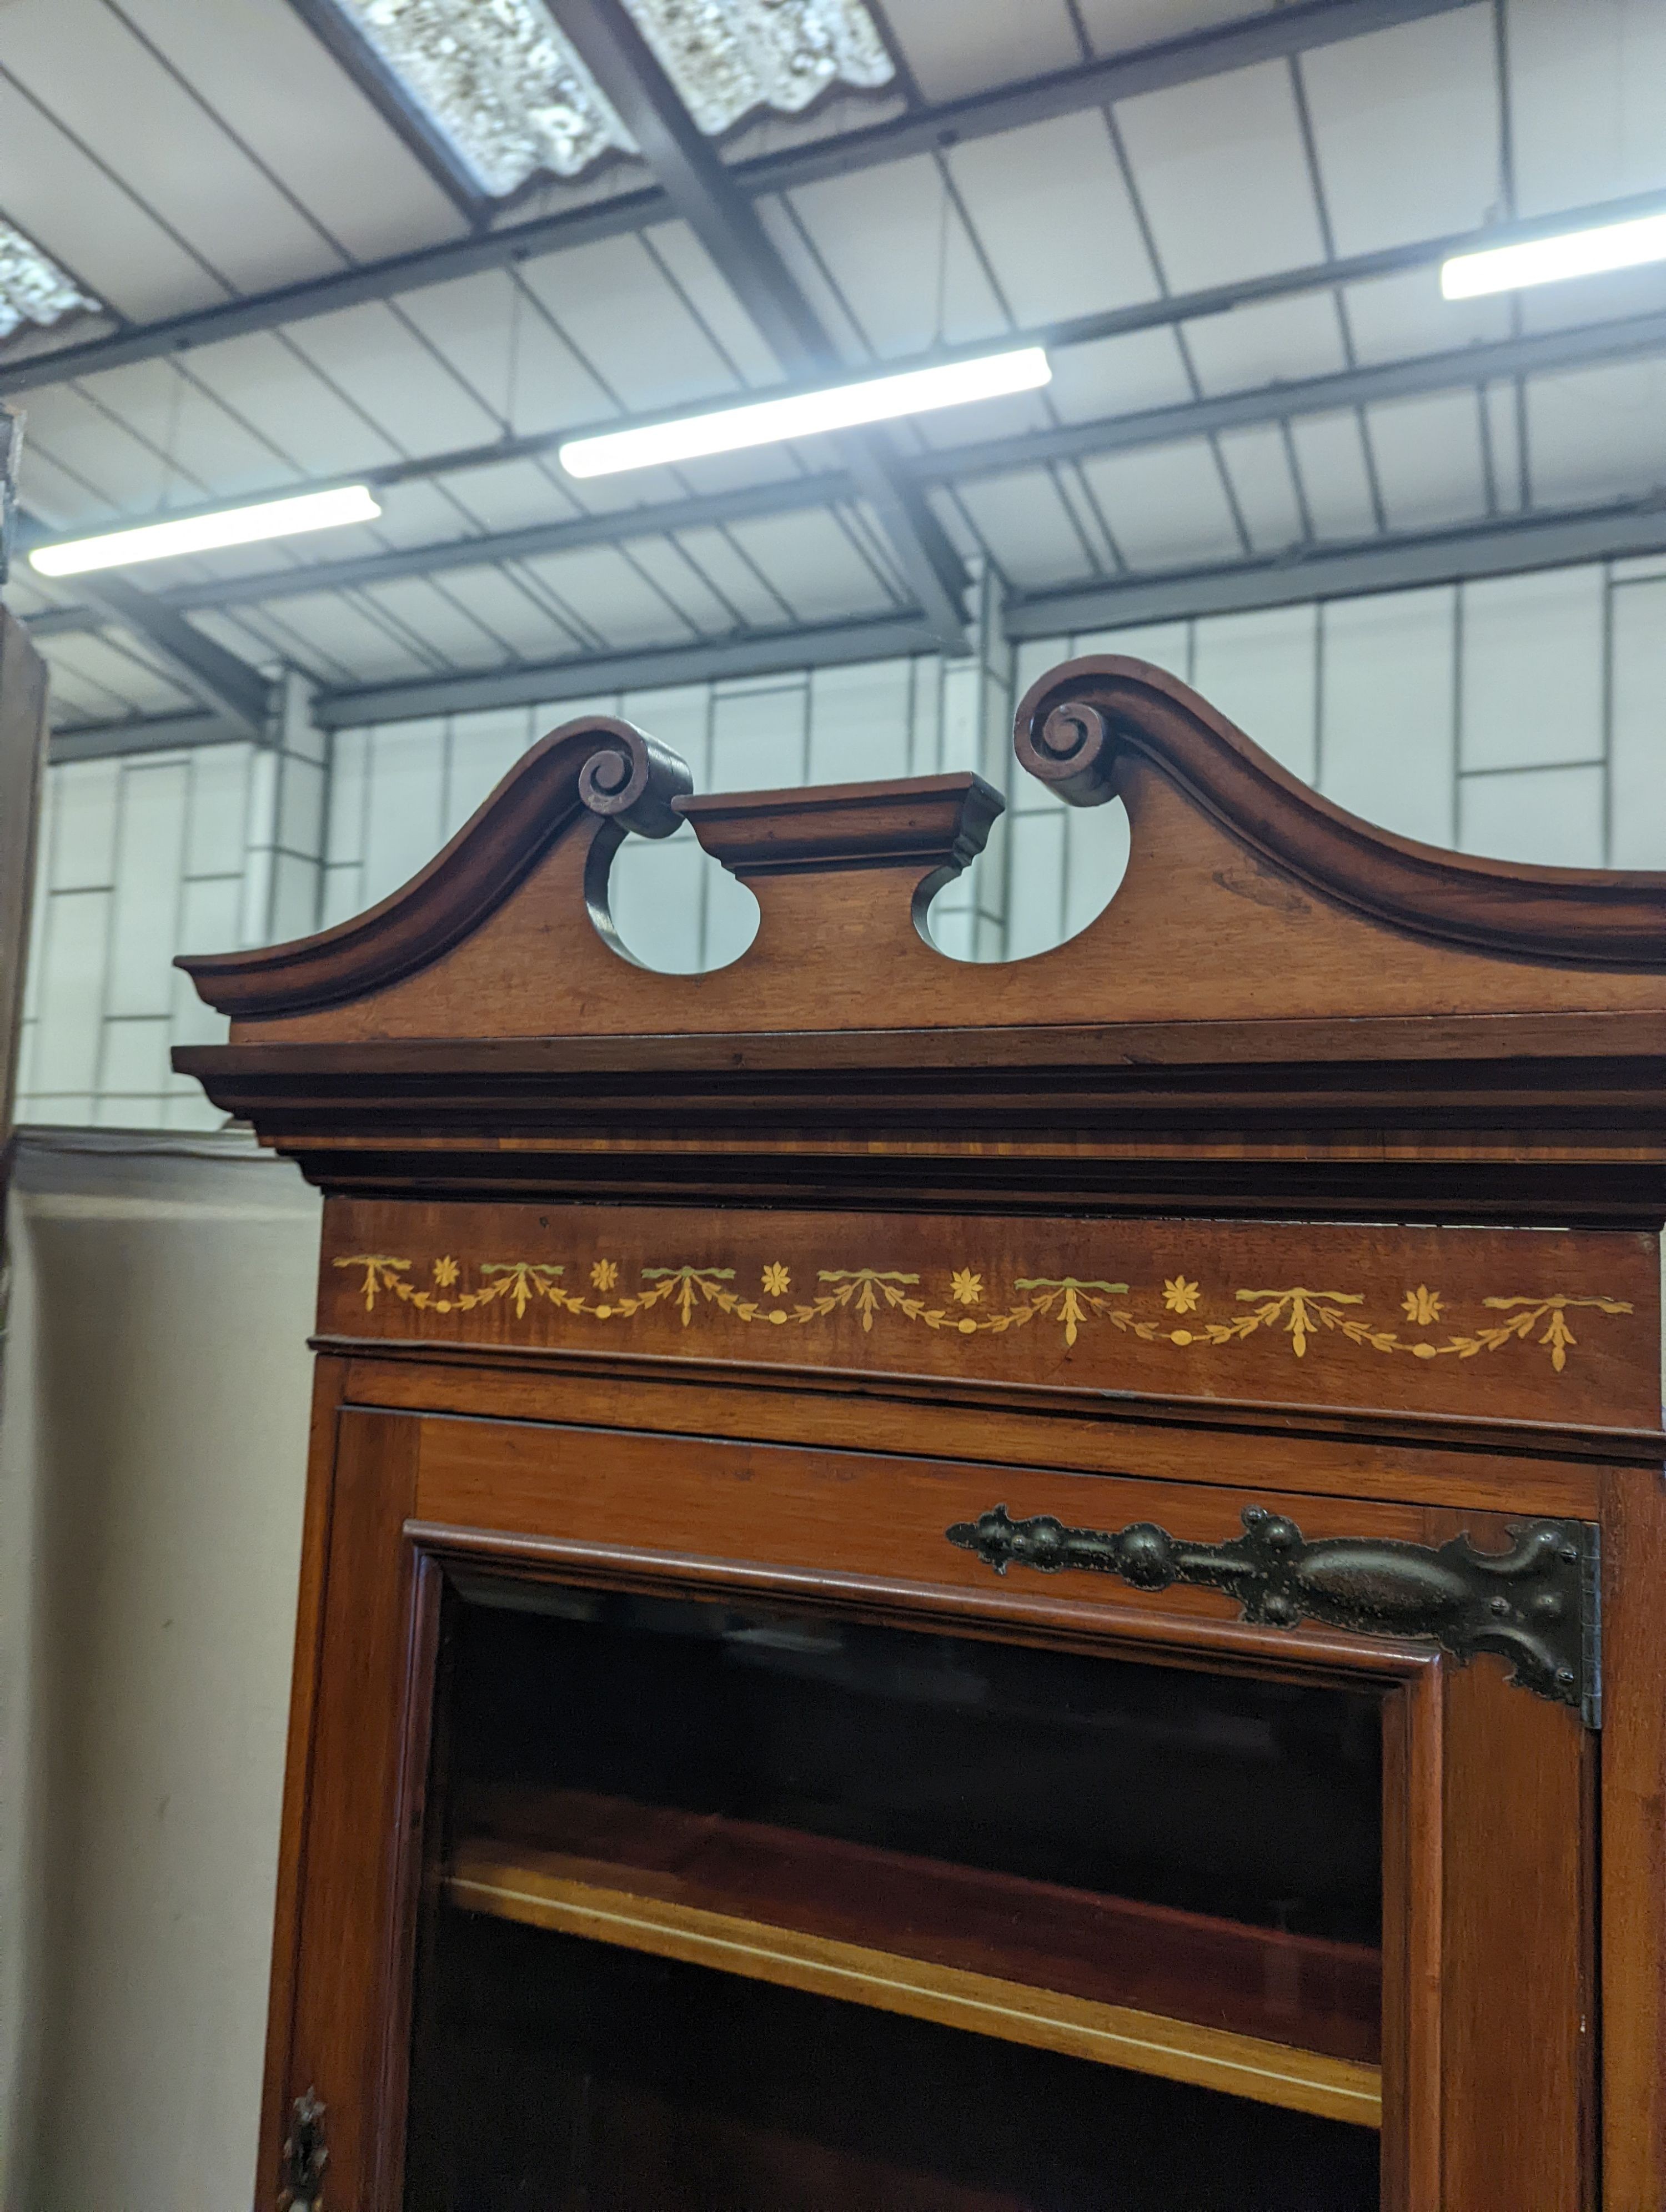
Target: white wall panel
[[1532, 669], [71, 1003], [1638, 738], [150, 868], [1388, 744], [1262, 670], [857, 715], [483, 749], [403, 814], [1552, 816], [759, 735]]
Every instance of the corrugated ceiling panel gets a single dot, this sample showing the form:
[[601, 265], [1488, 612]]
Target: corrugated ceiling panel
[[279, 391], [692, 268], [81, 62], [629, 325], [56, 494], [1406, 124], [675, 574], [514, 494], [1395, 317], [811, 562], [72, 699], [81, 215], [476, 325], [1053, 216], [1278, 339], [1221, 168], [262, 636], [335, 625], [1594, 299], [1119, 376], [384, 368], [1113, 25], [740, 579], [1428, 456], [1026, 525], [1332, 461], [1165, 507], [284, 94], [427, 511], [1258, 464], [428, 611], [611, 596], [1598, 433], [1588, 97], [208, 446], [954, 51], [1504, 419], [371, 357], [878, 232], [982, 419], [67, 428], [518, 612], [101, 664]]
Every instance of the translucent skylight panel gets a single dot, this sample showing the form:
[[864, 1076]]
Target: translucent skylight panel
[[500, 82], [33, 287], [728, 57]]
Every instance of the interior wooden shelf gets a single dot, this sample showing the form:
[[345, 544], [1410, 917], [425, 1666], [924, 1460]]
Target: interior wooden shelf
[[1285, 2020]]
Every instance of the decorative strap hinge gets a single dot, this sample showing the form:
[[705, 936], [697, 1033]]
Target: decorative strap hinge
[[1536, 1604], [306, 2155]]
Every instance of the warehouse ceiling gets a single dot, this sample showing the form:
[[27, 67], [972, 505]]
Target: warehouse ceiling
[[253, 249]]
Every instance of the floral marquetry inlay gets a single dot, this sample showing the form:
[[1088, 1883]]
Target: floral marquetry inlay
[[1178, 1314]]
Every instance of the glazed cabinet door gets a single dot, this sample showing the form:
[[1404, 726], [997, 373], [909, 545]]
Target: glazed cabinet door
[[912, 1834]]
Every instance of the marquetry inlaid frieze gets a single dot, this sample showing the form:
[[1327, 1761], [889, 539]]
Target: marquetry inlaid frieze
[[1444, 1320]]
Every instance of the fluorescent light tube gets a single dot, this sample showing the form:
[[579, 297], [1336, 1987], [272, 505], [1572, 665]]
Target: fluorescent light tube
[[801, 415], [1546, 260], [202, 533]]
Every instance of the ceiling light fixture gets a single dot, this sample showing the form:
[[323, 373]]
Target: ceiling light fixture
[[202, 533], [803, 414], [1547, 260]]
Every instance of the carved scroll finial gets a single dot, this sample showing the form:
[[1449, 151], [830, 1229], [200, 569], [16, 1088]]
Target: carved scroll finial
[[632, 781], [1069, 747]]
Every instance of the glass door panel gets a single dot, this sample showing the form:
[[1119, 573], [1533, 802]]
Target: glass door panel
[[752, 1907]]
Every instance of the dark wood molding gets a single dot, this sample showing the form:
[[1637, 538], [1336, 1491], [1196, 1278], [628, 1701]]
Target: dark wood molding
[[1078, 725], [596, 768], [938, 822]]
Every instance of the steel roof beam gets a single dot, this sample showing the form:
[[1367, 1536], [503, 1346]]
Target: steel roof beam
[[144, 733], [1460, 369], [224, 683], [1316, 573], [706, 196], [753, 652], [1328, 572], [1271, 35]]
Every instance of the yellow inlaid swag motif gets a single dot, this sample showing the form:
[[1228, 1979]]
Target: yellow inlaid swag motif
[[1304, 1316]]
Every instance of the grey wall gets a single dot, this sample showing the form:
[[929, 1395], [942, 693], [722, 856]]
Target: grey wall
[[152, 1462]]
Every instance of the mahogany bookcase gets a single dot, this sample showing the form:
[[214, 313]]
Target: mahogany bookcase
[[962, 1586]]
